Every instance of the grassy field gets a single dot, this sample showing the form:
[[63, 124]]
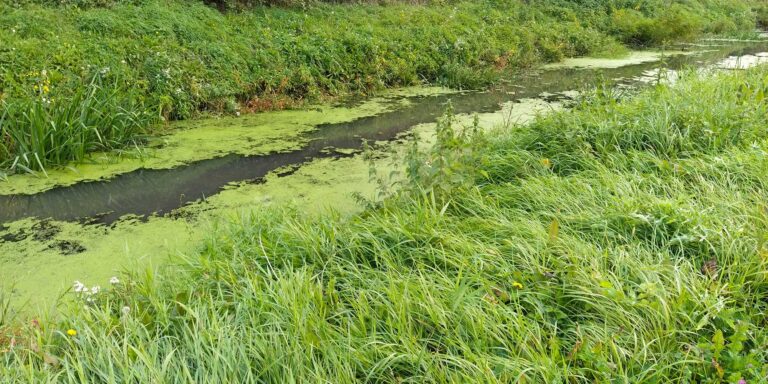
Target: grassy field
[[623, 241], [100, 74]]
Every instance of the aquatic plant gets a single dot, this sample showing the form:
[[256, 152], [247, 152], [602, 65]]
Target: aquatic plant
[[182, 58], [621, 241], [5, 309]]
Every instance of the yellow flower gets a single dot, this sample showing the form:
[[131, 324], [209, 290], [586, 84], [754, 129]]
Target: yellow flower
[[517, 285], [71, 332], [46, 89], [545, 162]]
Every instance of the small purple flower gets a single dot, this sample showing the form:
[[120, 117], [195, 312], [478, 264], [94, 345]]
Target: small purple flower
[[742, 381]]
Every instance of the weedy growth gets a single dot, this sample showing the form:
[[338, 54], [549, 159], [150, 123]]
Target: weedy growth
[[180, 58], [42, 130], [621, 241]]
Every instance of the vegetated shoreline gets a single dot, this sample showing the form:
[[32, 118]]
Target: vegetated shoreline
[[133, 63], [620, 240], [184, 142], [94, 253], [33, 282], [198, 139]]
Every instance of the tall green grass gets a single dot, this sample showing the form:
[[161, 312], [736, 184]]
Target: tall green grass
[[619, 242], [183, 57], [46, 130]]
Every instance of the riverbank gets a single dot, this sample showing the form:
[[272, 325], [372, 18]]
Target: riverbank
[[90, 223], [623, 239], [132, 65]]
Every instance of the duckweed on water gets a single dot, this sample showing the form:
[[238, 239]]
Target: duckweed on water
[[38, 266], [195, 140], [97, 251], [637, 255], [634, 57]]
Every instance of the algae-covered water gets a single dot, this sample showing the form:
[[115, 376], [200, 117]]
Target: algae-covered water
[[139, 208]]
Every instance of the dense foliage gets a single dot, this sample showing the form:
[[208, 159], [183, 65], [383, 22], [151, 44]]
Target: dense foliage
[[97, 117], [620, 242], [180, 57]]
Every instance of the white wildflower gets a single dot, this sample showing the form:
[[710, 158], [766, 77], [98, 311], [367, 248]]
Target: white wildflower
[[79, 287], [126, 310], [114, 280], [95, 289]]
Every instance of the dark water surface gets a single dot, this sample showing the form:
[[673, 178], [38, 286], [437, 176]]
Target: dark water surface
[[146, 192]]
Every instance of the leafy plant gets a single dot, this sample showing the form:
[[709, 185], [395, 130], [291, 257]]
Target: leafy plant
[[45, 130], [453, 161]]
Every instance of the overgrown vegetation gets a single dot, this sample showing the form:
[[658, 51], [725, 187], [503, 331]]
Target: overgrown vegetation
[[622, 241], [42, 130], [181, 57], [762, 15]]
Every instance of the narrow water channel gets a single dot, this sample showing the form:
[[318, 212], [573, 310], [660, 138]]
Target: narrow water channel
[[158, 192], [90, 230]]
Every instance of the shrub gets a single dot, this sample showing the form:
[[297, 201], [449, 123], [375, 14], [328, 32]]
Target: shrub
[[762, 15], [676, 23]]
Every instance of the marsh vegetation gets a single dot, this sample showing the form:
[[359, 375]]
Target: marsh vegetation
[[156, 61], [563, 250], [622, 240]]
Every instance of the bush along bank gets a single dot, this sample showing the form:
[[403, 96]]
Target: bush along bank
[[178, 58], [622, 241]]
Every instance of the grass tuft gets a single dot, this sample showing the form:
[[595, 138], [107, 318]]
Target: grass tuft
[[45, 130]]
